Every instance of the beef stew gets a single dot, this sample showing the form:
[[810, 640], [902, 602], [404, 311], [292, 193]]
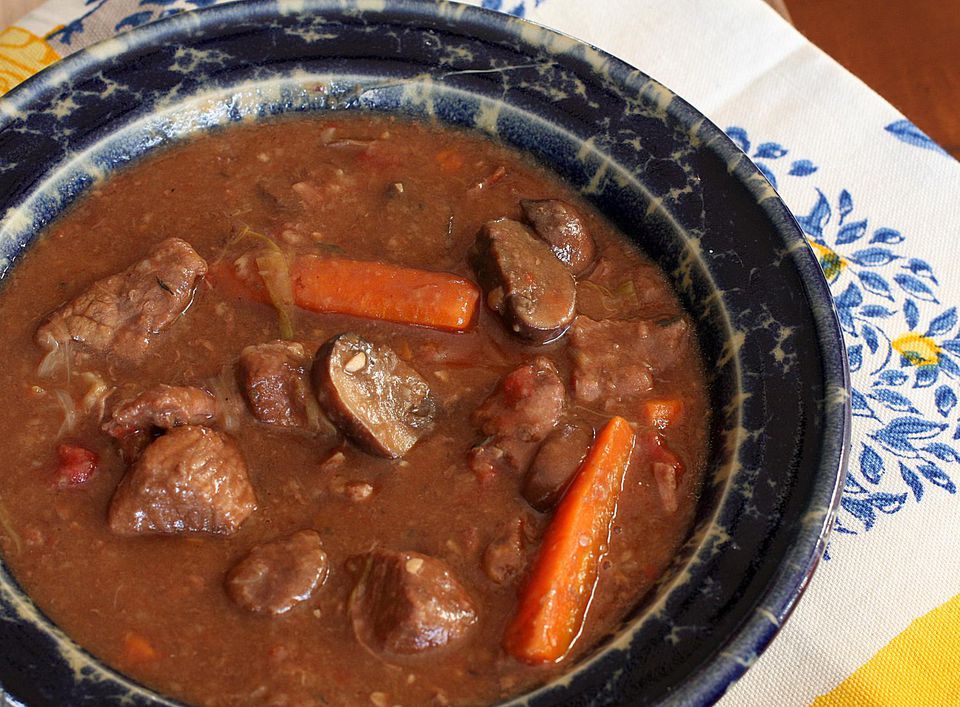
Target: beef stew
[[308, 412]]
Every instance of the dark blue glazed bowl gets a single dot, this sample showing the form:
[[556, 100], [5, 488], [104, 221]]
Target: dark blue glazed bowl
[[656, 167]]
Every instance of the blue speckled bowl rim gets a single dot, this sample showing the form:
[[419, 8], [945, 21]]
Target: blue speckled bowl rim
[[797, 567]]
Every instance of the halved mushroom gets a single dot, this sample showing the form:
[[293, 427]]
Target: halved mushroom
[[559, 224], [531, 289], [556, 464], [371, 395]]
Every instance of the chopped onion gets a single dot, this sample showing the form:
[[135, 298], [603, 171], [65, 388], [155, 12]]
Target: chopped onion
[[275, 272], [7, 524], [622, 302], [224, 389], [50, 363], [97, 393], [243, 234], [69, 412], [272, 267], [58, 357], [349, 142]]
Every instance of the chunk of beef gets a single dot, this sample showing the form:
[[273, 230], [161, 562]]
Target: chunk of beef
[[273, 377], [162, 407], [521, 411], [496, 455], [526, 404], [504, 558], [409, 603], [555, 465], [615, 361], [190, 480], [372, 395], [559, 224], [122, 314], [526, 284], [278, 575]]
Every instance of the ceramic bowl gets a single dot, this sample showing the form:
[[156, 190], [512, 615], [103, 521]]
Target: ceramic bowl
[[648, 160]]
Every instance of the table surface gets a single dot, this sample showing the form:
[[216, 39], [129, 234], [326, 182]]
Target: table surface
[[906, 50]]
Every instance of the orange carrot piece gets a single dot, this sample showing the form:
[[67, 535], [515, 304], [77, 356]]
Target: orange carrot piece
[[662, 413], [450, 160], [137, 649], [393, 293], [555, 597]]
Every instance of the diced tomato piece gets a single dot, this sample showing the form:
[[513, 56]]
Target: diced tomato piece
[[517, 385], [76, 465], [658, 451], [498, 174], [667, 469]]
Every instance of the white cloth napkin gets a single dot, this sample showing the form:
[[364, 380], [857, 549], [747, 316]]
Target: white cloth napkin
[[878, 200]]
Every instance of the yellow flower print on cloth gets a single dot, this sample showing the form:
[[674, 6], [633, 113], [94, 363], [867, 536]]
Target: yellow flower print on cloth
[[904, 352], [917, 349], [831, 263], [903, 346], [22, 54]]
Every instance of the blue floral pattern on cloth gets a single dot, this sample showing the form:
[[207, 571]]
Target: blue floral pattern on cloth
[[907, 132], [157, 10], [903, 345], [146, 11], [513, 7], [66, 33]]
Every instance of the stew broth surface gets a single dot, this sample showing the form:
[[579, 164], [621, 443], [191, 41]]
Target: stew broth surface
[[369, 188]]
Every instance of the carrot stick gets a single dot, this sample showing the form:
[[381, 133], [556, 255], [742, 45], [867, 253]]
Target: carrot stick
[[555, 597], [384, 291]]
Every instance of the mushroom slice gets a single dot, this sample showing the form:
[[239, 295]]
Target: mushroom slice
[[555, 465], [526, 284], [371, 395], [559, 224]]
